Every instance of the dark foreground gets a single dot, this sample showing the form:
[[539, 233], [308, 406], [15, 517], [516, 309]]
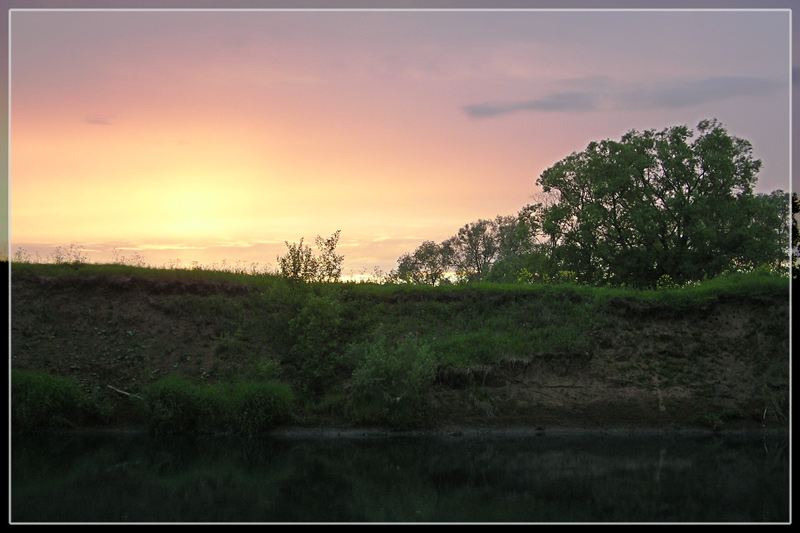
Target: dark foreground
[[302, 475]]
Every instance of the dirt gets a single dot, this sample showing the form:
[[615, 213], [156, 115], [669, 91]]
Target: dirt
[[723, 366], [669, 372]]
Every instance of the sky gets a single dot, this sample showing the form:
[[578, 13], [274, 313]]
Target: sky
[[214, 135]]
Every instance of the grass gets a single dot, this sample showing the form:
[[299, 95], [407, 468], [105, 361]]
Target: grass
[[40, 400]]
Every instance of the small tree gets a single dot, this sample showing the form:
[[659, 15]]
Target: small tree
[[329, 264], [300, 265], [769, 238]]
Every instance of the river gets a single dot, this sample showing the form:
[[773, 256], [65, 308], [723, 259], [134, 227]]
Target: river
[[508, 476]]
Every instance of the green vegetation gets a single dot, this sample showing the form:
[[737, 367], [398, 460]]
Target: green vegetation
[[43, 401], [300, 265], [795, 234], [651, 207], [197, 350], [175, 405], [389, 379]]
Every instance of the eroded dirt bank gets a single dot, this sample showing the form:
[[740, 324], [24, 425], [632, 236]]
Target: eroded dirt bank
[[722, 365]]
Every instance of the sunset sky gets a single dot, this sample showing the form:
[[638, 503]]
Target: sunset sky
[[211, 135]]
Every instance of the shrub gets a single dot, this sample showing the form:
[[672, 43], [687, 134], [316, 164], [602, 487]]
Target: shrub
[[299, 265], [40, 400], [388, 381], [316, 332], [268, 369]]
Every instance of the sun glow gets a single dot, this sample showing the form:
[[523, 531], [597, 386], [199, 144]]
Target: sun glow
[[149, 131]]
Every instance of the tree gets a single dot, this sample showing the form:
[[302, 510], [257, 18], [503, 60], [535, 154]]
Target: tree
[[329, 264], [473, 249], [654, 204], [769, 219], [520, 246], [427, 265], [299, 264], [486, 249]]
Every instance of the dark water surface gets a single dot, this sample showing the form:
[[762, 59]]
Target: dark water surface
[[561, 477]]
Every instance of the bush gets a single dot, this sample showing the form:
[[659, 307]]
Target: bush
[[316, 332], [41, 401], [388, 381]]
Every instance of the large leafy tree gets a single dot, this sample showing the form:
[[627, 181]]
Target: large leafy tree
[[770, 224], [654, 204]]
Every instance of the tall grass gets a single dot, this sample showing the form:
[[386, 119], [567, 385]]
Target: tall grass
[[174, 405], [42, 401]]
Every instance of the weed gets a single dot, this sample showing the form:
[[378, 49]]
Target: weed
[[713, 421]]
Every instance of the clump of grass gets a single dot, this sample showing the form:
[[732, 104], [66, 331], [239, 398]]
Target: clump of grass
[[41, 401], [472, 347], [174, 405], [255, 407]]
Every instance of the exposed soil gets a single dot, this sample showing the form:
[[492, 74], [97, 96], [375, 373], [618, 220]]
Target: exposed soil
[[669, 372], [721, 366]]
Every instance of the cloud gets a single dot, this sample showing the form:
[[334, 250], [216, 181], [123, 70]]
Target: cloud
[[694, 92], [607, 95], [167, 246], [570, 102]]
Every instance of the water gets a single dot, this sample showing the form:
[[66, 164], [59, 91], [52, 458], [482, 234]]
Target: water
[[567, 477]]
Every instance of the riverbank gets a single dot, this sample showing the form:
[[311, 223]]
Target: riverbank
[[385, 358]]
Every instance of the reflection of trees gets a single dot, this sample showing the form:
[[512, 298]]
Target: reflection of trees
[[531, 479]]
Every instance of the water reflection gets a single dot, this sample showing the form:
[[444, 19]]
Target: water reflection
[[561, 478]]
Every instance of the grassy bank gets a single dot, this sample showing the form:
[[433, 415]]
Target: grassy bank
[[206, 350]]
